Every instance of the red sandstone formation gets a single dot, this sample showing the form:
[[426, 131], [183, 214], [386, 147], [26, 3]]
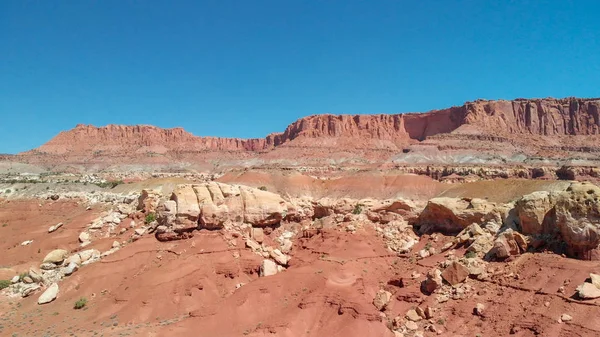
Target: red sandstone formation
[[555, 128]]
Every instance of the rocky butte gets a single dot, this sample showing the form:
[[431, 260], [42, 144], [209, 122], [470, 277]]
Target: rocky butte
[[530, 132]]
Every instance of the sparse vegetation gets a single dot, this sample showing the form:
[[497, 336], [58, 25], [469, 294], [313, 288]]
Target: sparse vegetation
[[150, 217], [470, 255], [110, 183], [263, 188], [357, 209], [4, 284], [81, 303], [428, 246], [22, 276], [5, 225], [7, 191]]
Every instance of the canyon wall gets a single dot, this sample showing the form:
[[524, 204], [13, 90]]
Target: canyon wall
[[562, 128]]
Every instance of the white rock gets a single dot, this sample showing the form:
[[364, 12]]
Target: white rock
[[588, 291], [90, 254], [25, 243], [73, 258], [116, 244], [279, 257], [566, 317], [15, 279], [55, 256], [84, 237], [49, 295], [96, 225], [55, 227], [410, 325], [71, 268], [268, 268], [140, 231], [30, 289]]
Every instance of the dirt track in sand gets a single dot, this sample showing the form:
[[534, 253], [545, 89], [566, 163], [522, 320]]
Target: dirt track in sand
[[188, 288]]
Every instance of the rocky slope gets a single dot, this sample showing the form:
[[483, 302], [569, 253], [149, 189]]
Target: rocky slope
[[480, 132]]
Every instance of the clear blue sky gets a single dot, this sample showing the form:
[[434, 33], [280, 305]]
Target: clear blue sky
[[248, 68]]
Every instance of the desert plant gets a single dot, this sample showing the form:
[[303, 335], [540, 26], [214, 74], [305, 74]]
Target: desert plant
[[4, 284], [357, 209], [150, 217], [110, 183], [82, 302], [263, 188], [470, 254]]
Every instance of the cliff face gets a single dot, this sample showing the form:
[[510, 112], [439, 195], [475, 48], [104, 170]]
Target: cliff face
[[479, 121], [548, 117], [119, 138]]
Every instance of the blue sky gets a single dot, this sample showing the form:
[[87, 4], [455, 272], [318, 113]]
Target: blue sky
[[248, 68]]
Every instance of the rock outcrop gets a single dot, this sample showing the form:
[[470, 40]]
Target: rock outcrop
[[214, 205], [451, 215]]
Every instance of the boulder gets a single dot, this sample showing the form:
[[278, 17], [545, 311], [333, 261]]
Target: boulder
[[478, 310], [214, 216], [412, 315], [148, 201], [595, 278], [268, 268], [509, 243], [279, 257], [455, 273], [55, 227], [75, 258], [35, 274], [84, 237], [432, 282], [49, 295], [187, 202], [71, 268], [257, 234], [262, 208], [398, 206], [381, 300], [56, 256], [452, 215], [90, 254], [588, 291], [533, 211], [578, 218], [30, 289]]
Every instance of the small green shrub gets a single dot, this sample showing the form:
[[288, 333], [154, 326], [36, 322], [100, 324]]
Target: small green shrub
[[150, 217], [357, 209], [7, 191], [263, 188], [470, 255], [110, 183], [82, 302], [5, 225], [4, 284]]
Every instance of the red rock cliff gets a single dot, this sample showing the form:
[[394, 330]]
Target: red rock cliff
[[570, 116]]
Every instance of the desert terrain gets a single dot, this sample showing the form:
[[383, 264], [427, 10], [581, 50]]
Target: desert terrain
[[477, 220]]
